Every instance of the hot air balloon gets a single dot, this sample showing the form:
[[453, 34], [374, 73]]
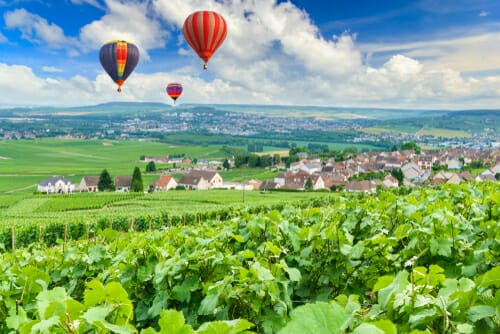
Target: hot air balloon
[[119, 59], [205, 31], [174, 90]]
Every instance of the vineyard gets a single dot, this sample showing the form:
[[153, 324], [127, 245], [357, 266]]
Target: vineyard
[[422, 262], [43, 210]]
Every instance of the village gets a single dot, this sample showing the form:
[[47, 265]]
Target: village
[[393, 169]]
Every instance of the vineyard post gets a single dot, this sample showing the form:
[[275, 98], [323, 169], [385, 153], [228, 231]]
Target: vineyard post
[[65, 235], [184, 219], [149, 225], [88, 232], [40, 236], [111, 223], [13, 238], [132, 224]]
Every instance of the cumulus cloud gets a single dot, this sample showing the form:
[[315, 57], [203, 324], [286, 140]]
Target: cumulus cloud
[[94, 3], [465, 54], [125, 20], [273, 54], [35, 28], [3, 39], [51, 69]]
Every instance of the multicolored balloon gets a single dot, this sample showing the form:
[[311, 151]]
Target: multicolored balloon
[[174, 90], [119, 58], [205, 31]]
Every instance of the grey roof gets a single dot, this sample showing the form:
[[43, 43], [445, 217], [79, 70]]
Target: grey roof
[[206, 174], [53, 180], [190, 180], [123, 181], [91, 181]]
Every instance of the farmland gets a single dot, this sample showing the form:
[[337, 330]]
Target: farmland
[[424, 261], [22, 210]]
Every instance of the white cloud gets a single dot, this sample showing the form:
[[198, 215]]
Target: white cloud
[[483, 13], [36, 29], [3, 39], [466, 54], [125, 20], [94, 3], [273, 54], [51, 69]]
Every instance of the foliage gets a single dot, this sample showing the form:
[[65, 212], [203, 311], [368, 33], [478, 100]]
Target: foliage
[[137, 184], [105, 182], [397, 173], [151, 167], [422, 262], [410, 146]]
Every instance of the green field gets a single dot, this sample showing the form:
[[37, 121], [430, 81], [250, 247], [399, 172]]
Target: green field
[[83, 207], [444, 133], [24, 163]]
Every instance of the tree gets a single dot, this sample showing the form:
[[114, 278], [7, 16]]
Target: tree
[[277, 158], [225, 164], [397, 173], [309, 184], [253, 160], [151, 167], [137, 185], [394, 148], [411, 146], [105, 182]]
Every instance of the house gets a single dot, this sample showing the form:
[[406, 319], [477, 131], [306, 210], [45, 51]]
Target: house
[[269, 184], [299, 180], [123, 183], [192, 182], [390, 182], [454, 163], [411, 171], [56, 185], [89, 184], [164, 183], [361, 186], [212, 177]]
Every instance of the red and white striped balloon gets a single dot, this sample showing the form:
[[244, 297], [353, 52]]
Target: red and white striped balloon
[[205, 31]]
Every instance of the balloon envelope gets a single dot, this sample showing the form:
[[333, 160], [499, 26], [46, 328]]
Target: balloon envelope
[[119, 58], [174, 90], [205, 31]]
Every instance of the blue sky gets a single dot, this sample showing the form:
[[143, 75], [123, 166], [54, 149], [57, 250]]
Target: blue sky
[[401, 54]]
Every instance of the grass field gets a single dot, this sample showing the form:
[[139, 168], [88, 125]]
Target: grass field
[[444, 133], [17, 210], [396, 129], [24, 163]]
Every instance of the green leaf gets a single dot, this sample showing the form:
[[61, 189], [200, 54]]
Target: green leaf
[[318, 318], [45, 298], [209, 303], [263, 274], [293, 274], [94, 293], [45, 326], [97, 317], [225, 327], [479, 312], [422, 317], [396, 286], [16, 320], [274, 249], [441, 246], [367, 329], [465, 328], [491, 277], [386, 326], [173, 322]]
